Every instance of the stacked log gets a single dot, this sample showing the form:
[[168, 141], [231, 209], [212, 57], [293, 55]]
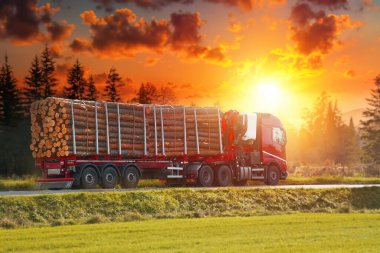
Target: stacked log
[[62, 127]]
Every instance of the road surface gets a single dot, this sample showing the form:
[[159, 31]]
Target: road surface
[[65, 191]]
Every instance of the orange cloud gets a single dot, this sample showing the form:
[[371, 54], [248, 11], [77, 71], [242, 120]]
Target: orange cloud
[[243, 5], [315, 31], [130, 35], [21, 22]]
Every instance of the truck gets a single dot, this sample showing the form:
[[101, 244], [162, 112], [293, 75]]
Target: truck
[[252, 146]]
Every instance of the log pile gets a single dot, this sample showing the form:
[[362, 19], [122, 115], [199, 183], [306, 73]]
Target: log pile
[[62, 127]]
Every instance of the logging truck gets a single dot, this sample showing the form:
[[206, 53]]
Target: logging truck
[[90, 144]]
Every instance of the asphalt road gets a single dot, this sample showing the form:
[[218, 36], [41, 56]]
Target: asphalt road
[[66, 191]]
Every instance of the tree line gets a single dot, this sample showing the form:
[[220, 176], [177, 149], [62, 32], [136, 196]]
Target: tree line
[[40, 83], [324, 138]]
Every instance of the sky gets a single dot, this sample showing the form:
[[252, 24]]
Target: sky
[[272, 56]]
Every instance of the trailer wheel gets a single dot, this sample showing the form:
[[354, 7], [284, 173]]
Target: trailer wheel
[[89, 178], [131, 178], [205, 176], [223, 176], [109, 178], [273, 175]]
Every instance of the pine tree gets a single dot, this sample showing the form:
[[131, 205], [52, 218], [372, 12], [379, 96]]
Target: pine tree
[[92, 92], [370, 126], [166, 95], [350, 151], [10, 96], [49, 82], [34, 88], [147, 94], [114, 82], [76, 81]]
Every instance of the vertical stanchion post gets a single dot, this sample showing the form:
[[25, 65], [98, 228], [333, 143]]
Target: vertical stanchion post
[[145, 148], [162, 132], [184, 131], [118, 127], [73, 127], [96, 128], [107, 129], [155, 130], [220, 133], [196, 129]]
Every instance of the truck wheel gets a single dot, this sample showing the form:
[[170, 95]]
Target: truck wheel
[[273, 176], [131, 178], [89, 178], [205, 176], [109, 178], [223, 176]]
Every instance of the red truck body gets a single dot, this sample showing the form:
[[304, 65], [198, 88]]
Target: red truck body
[[258, 155]]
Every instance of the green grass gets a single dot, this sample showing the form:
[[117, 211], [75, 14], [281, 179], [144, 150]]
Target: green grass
[[330, 180], [78, 208], [17, 184], [280, 233]]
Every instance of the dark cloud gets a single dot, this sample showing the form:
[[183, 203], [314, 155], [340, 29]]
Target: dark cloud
[[180, 33], [331, 4], [316, 31], [244, 5], [21, 22], [108, 5], [186, 29], [128, 34]]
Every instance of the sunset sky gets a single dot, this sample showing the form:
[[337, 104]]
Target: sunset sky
[[252, 55]]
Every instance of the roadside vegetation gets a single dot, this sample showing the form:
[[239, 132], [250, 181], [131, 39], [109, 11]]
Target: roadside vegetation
[[277, 233], [79, 208]]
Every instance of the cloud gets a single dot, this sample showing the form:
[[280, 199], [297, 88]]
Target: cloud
[[151, 61], [316, 31], [23, 22], [349, 74], [331, 4], [186, 29], [130, 35], [234, 24], [243, 5]]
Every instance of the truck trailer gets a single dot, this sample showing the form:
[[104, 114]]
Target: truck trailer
[[87, 144]]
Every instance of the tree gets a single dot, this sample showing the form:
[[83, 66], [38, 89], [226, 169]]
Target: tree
[[114, 82], [49, 82], [9, 94], [166, 95], [147, 94], [370, 126], [34, 87], [76, 81], [92, 92]]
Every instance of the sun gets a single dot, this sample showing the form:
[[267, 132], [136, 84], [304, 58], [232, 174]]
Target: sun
[[269, 89], [267, 95]]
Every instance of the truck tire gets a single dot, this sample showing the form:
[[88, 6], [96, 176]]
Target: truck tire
[[205, 176], [89, 178], [109, 178], [223, 176], [131, 177], [273, 176]]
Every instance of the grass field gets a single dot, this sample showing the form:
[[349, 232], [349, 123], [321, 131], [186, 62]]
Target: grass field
[[280, 233]]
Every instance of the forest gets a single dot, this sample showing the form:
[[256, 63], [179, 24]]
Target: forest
[[323, 140]]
